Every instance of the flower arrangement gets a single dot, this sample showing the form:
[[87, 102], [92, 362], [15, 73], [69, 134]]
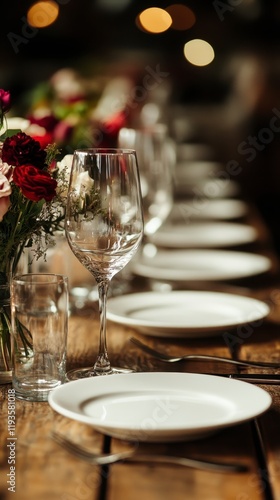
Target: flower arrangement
[[32, 199], [32, 193], [77, 112]]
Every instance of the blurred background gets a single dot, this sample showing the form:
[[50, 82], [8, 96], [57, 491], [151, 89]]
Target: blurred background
[[209, 70], [91, 34]]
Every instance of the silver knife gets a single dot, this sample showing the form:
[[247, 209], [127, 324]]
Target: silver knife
[[253, 378]]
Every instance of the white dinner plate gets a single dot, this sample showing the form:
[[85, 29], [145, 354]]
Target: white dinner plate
[[203, 235], [191, 172], [189, 314], [220, 209], [207, 265], [208, 188], [159, 406]]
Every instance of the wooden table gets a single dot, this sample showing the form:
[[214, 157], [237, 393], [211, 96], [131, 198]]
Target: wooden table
[[45, 471]]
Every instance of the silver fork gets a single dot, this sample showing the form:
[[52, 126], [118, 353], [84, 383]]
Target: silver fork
[[131, 456], [94, 458], [197, 357]]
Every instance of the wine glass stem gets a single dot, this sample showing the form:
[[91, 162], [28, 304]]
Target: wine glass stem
[[102, 364]]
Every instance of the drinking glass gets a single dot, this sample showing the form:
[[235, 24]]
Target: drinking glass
[[156, 159], [39, 304], [104, 226]]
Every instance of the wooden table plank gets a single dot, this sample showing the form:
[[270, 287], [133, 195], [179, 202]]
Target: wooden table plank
[[270, 426], [157, 482], [43, 469]]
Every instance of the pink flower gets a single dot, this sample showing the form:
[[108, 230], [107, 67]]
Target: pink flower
[[5, 101], [6, 169], [63, 132], [5, 191]]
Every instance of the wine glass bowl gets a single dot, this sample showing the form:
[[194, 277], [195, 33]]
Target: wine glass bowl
[[103, 225], [156, 158]]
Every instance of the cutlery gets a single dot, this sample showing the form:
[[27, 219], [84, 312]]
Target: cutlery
[[253, 378], [197, 357], [131, 456], [94, 458]]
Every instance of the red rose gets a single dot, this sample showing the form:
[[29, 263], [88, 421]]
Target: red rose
[[113, 124], [110, 129], [43, 140], [48, 121], [21, 149], [5, 101], [34, 183]]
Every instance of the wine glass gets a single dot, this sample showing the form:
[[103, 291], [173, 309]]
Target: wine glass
[[104, 226], [156, 159]]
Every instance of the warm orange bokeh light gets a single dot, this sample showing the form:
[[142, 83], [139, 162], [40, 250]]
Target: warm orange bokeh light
[[154, 20], [42, 14], [183, 18]]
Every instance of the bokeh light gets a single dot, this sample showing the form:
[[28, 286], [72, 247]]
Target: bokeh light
[[154, 20], [199, 52], [183, 18], [42, 14]]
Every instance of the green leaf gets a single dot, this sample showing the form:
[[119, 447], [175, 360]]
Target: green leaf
[[9, 133]]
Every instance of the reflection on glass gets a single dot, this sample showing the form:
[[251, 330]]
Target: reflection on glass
[[104, 226], [156, 160]]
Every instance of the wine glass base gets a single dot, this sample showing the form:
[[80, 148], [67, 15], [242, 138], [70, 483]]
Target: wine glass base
[[78, 373]]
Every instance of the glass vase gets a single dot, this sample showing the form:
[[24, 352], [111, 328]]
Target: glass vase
[[5, 331], [5, 314]]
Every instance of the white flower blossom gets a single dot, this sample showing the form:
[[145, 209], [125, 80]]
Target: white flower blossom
[[5, 191], [83, 183], [64, 168]]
